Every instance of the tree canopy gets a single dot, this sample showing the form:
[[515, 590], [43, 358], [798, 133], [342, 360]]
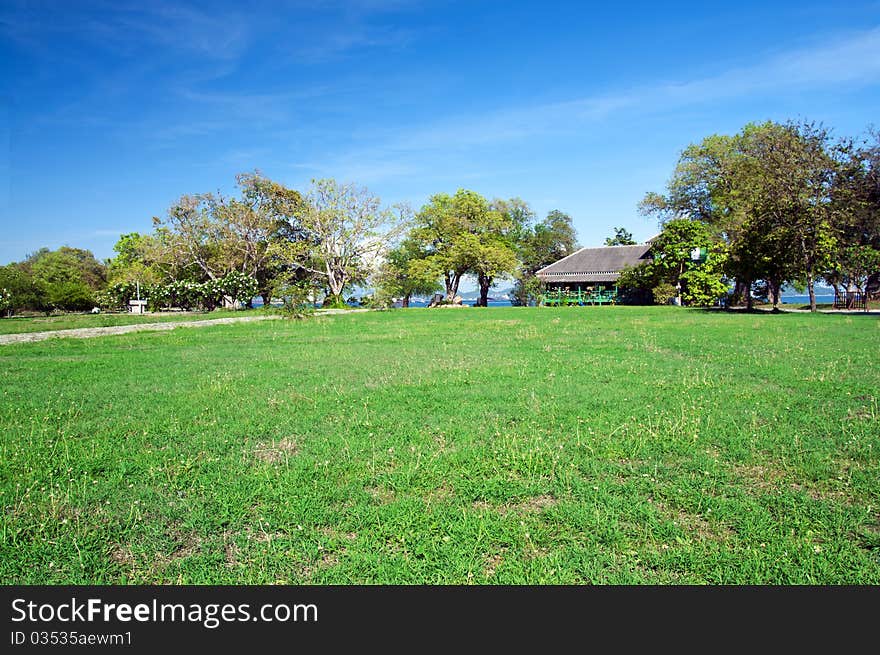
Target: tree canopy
[[791, 204], [622, 237]]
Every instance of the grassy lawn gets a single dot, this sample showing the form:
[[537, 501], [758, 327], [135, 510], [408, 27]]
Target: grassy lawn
[[510, 445], [22, 324]]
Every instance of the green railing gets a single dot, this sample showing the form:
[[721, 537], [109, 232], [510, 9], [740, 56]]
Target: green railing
[[580, 298]]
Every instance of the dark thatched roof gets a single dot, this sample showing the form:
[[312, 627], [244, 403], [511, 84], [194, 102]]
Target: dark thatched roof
[[595, 264]]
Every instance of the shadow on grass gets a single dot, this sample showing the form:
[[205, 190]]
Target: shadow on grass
[[778, 311]]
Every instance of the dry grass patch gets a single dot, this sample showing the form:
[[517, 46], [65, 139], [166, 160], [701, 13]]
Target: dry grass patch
[[276, 451], [382, 495], [759, 478], [441, 494], [693, 524], [528, 506], [122, 556], [493, 561], [332, 533]]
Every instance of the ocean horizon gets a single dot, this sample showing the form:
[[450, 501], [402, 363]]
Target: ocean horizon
[[798, 299]]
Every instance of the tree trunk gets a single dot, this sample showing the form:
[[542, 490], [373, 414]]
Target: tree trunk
[[750, 304], [267, 298], [739, 289], [872, 285], [405, 302], [811, 288], [485, 283], [773, 293], [336, 281], [452, 286]]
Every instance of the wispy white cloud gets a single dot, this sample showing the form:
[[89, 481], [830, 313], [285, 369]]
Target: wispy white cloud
[[128, 28], [850, 60], [341, 41], [845, 60]]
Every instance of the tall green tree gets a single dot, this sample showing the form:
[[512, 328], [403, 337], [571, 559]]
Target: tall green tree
[[498, 232], [207, 236], [66, 265], [791, 172], [398, 278], [680, 254], [688, 263], [445, 230], [855, 264], [766, 192], [349, 231], [622, 237], [135, 260], [67, 277], [540, 245]]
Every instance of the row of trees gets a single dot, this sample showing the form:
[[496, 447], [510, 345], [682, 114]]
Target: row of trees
[[65, 279], [336, 237], [466, 234], [277, 242], [775, 204], [339, 236], [772, 205]]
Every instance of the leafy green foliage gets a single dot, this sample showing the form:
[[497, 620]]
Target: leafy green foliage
[[21, 292], [66, 265], [445, 230], [538, 246], [786, 201], [635, 284], [702, 280], [5, 301], [208, 236], [664, 293], [402, 274], [622, 237], [136, 260], [349, 231], [704, 284], [69, 296]]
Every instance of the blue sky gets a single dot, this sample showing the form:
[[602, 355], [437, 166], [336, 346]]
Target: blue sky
[[112, 110]]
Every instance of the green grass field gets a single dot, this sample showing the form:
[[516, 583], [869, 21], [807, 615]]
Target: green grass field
[[607, 445], [23, 324]]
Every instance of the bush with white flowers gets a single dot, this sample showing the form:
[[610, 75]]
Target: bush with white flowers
[[5, 301], [237, 286]]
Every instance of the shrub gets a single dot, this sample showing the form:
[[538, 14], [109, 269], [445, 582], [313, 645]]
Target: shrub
[[237, 286], [664, 293], [70, 296], [334, 302], [5, 302]]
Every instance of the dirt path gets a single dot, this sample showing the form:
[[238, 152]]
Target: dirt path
[[87, 333]]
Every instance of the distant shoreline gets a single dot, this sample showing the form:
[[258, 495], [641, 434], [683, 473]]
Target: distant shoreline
[[801, 299]]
